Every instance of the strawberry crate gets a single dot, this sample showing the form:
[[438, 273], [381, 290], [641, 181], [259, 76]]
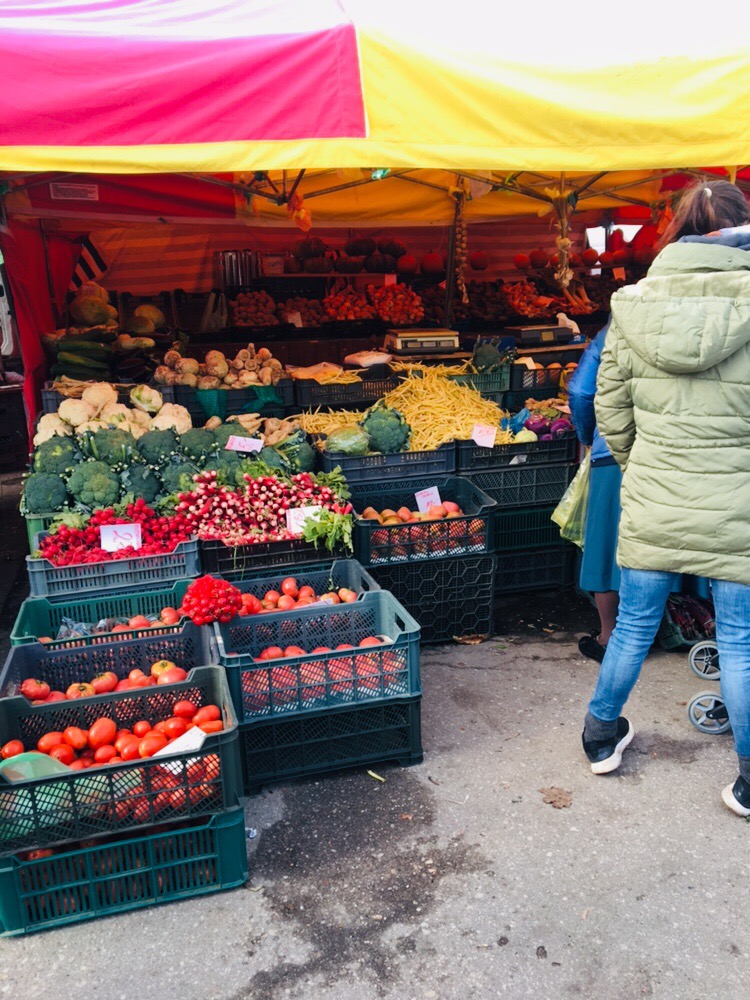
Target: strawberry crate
[[404, 464], [472, 458], [123, 873], [187, 645], [235, 562], [328, 740], [525, 485], [449, 597], [525, 529], [538, 569], [376, 544], [328, 678], [98, 801], [41, 617], [322, 577], [137, 572]]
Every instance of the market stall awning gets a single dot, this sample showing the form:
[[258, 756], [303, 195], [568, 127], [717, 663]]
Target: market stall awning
[[135, 86]]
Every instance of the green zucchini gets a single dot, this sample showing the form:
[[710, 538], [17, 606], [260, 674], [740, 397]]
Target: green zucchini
[[69, 358]]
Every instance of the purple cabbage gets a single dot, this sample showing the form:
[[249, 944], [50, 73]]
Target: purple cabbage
[[538, 424], [560, 427]]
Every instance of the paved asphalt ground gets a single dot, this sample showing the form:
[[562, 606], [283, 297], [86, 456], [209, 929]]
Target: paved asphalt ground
[[454, 879]]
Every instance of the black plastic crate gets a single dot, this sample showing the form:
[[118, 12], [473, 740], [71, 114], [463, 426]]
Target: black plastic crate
[[525, 485], [471, 457], [376, 544], [525, 529], [189, 308], [515, 399], [525, 378], [540, 569], [310, 393], [448, 597], [403, 465], [329, 740], [127, 305], [234, 561]]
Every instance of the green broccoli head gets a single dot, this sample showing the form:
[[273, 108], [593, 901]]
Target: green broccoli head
[[386, 429], [486, 358], [297, 453], [57, 456], [157, 447], [178, 477], [43, 493], [114, 447], [198, 445], [272, 458], [141, 481], [94, 484], [224, 432]]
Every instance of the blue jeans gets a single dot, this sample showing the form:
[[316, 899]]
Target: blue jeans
[[643, 595]]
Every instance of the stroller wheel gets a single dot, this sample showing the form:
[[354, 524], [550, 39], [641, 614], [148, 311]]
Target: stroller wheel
[[704, 660], [708, 713]]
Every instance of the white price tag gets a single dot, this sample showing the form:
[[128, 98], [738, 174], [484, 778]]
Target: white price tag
[[236, 443], [518, 460], [484, 435], [187, 743], [295, 318], [296, 517], [427, 498], [119, 536]]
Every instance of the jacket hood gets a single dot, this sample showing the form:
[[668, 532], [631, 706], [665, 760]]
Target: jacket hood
[[692, 311]]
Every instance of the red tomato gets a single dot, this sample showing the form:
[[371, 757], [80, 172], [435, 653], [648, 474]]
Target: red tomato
[[209, 713], [172, 676], [160, 727], [139, 621], [169, 616], [141, 728], [371, 640], [104, 683], [123, 685], [294, 651], [56, 696], [161, 802], [251, 604], [143, 682], [11, 749], [78, 765], [151, 744], [75, 737], [184, 709], [289, 587], [122, 740], [80, 691], [303, 602], [272, 653], [115, 760], [196, 771], [214, 726], [344, 645], [48, 741], [174, 727], [104, 754], [130, 750], [286, 603], [102, 733], [64, 753], [135, 674], [306, 592], [35, 690], [178, 798], [160, 667], [120, 628], [347, 596], [272, 596], [321, 649]]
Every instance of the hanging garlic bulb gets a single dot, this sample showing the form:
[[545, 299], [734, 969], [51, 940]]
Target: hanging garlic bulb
[[461, 251]]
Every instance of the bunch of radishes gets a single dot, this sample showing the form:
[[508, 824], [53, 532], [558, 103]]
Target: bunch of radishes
[[256, 513]]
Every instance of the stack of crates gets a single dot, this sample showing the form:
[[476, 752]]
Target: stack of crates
[[526, 481], [443, 571], [333, 708]]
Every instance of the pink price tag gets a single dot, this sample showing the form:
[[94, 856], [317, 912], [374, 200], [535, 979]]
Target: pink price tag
[[484, 435], [120, 536], [236, 443], [427, 498]]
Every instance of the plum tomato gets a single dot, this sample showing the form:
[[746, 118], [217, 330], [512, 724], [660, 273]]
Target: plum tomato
[[64, 753], [75, 737], [11, 749], [209, 713], [184, 709], [141, 728], [151, 744], [49, 740], [102, 733]]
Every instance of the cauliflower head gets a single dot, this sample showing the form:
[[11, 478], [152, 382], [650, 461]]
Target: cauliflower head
[[173, 416], [146, 399], [99, 394], [50, 425], [75, 411], [115, 414]]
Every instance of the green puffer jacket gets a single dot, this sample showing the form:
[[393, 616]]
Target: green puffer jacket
[[673, 404]]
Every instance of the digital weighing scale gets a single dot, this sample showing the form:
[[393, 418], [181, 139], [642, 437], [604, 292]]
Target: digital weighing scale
[[544, 333], [420, 341]]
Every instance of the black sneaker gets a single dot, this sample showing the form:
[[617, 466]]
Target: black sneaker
[[737, 797], [606, 755], [590, 647]]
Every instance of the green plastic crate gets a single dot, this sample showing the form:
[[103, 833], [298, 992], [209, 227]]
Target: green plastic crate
[[323, 577], [118, 875], [280, 750], [40, 617], [489, 384], [96, 802], [525, 529], [376, 544], [188, 645], [36, 523], [302, 684]]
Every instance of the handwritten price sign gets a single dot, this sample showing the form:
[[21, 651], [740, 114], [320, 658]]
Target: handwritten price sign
[[236, 443], [120, 536]]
